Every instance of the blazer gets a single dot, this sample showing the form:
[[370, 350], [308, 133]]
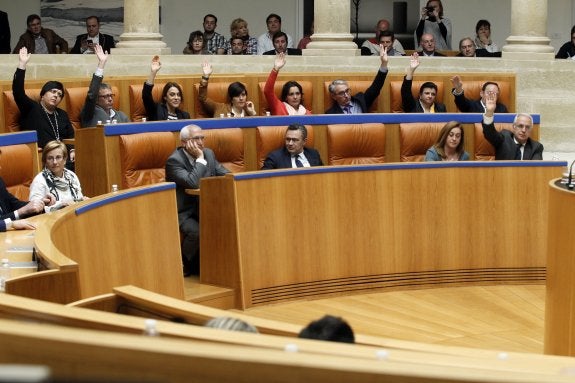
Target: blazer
[[469, 106], [53, 41], [364, 100], [187, 175], [410, 104], [158, 112], [482, 52], [8, 203], [92, 112], [289, 52], [505, 146], [281, 158], [105, 41]]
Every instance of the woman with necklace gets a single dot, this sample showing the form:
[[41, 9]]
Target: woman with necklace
[[49, 121], [172, 98], [237, 105], [55, 179], [449, 145]]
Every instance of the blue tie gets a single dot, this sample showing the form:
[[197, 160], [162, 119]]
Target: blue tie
[[347, 109], [298, 163]]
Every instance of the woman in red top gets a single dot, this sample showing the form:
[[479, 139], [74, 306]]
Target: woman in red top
[[291, 102]]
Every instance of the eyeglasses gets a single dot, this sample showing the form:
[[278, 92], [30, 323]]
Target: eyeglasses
[[111, 95], [344, 92], [522, 126], [54, 159], [491, 93]]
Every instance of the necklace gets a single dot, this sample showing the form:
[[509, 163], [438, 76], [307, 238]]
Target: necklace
[[56, 129]]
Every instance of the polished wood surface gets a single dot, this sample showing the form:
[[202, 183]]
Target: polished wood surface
[[307, 233], [560, 309]]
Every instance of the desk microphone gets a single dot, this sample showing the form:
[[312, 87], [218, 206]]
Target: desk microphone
[[569, 185]]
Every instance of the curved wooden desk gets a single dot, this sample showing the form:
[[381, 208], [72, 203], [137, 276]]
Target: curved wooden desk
[[304, 233], [129, 237]]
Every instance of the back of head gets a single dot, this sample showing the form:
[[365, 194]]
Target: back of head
[[232, 324], [329, 328]]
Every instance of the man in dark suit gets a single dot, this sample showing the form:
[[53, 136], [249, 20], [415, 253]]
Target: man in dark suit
[[85, 42], [427, 44], [280, 41], [516, 145], [186, 166], [467, 49], [466, 105], [345, 103], [294, 154], [4, 33], [427, 93]]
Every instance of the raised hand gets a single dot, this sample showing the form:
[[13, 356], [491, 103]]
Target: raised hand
[[23, 57], [102, 56], [156, 64], [457, 84], [383, 55], [207, 68], [490, 104], [279, 61]]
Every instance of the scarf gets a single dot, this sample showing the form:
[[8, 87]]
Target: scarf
[[62, 184], [479, 43], [291, 111]]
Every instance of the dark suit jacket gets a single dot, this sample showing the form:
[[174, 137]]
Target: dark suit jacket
[[290, 52], [281, 158], [106, 41], [435, 54], [410, 104], [8, 203], [159, 111], [364, 100], [187, 175], [505, 146], [482, 52], [4, 33], [466, 105]]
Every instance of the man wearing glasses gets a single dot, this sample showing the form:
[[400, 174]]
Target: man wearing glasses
[[466, 105], [186, 166], [345, 103], [515, 145], [99, 104]]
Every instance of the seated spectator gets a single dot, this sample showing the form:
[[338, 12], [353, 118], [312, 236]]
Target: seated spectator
[[214, 42], [386, 39], [427, 93], [196, 44], [517, 145], [85, 42], [239, 28], [5, 35], [329, 328], [433, 22], [467, 49], [280, 46], [567, 50], [55, 179], [237, 105], [370, 47], [237, 46], [49, 121], [231, 324], [265, 41], [172, 98], [475, 106], [483, 37], [291, 102], [40, 40], [306, 39], [294, 154], [345, 103], [99, 104], [449, 145], [427, 44]]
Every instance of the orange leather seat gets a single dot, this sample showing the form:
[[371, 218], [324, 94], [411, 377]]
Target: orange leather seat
[[349, 144], [17, 169], [143, 157], [416, 138], [270, 138], [75, 99], [11, 111], [354, 86], [228, 146], [484, 151], [395, 94], [137, 110], [217, 91], [307, 89]]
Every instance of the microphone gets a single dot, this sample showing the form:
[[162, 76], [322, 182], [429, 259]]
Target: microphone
[[569, 185]]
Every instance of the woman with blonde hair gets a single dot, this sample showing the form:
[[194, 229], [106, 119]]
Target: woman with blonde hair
[[449, 145], [239, 28]]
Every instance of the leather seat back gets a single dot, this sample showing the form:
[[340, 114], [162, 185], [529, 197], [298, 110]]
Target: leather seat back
[[416, 138], [349, 144]]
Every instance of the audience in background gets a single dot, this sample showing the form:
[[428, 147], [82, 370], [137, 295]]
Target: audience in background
[[294, 154], [427, 44], [291, 102], [466, 105], [329, 328], [467, 49], [55, 180], [99, 104], [345, 103], [85, 42], [265, 41], [237, 46], [280, 46], [433, 22], [306, 39], [237, 104], [567, 50], [40, 40], [427, 93], [449, 145], [196, 45], [172, 97], [483, 37], [239, 29], [5, 35], [370, 47], [231, 324], [386, 39], [214, 42]]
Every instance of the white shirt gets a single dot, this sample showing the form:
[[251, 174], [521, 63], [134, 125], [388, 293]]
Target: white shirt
[[39, 188]]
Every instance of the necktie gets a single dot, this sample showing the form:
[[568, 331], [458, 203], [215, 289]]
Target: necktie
[[518, 152], [347, 109], [298, 163]]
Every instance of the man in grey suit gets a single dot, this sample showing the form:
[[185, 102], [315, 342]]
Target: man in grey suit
[[186, 166], [516, 145]]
